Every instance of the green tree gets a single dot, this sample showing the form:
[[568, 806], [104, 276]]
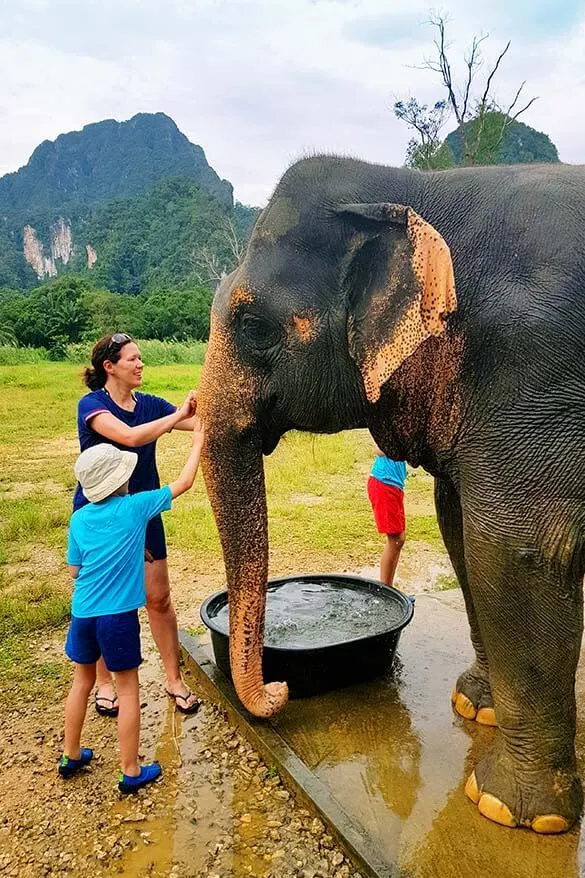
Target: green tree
[[113, 312], [181, 314], [50, 316], [424, 151]]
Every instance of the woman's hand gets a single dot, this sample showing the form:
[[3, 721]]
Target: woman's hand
[[189, 407]]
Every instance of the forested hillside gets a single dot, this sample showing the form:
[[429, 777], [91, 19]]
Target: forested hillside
[[103, 161], [134, 205]]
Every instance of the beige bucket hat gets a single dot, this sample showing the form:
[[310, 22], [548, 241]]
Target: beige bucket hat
[[103, 469]]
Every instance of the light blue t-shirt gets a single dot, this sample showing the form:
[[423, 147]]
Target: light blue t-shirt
[[107, 541], [391, 472]]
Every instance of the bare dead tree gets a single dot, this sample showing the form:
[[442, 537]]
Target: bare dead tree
[[209, 267], [461, 100], [237, 243]]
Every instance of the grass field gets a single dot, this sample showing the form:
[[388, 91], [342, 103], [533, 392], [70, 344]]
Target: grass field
[[319, 515]]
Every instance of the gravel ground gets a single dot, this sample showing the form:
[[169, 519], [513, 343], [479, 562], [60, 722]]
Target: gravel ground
[[218, 811]]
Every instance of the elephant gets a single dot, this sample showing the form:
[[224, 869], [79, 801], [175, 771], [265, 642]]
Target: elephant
[[444, 311]]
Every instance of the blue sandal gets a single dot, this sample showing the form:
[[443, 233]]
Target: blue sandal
[[68, 766], [148, 774]]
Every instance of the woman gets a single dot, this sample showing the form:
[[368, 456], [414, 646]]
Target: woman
[[115, 412]]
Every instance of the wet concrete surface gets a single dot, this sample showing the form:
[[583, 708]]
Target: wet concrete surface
[[396, 758]]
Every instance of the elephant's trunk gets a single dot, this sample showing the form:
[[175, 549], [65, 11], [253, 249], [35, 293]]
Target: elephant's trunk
[[233, 471]]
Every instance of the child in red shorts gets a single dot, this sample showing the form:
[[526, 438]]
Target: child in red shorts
[[386, 493]]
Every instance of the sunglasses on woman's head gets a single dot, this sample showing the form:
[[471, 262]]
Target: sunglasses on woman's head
[[117, 340]]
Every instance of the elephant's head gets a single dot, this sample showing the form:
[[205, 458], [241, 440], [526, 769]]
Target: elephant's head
[[333, 294]]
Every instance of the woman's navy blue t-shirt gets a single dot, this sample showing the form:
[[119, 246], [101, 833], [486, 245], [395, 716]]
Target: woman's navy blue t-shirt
[[148, 408]]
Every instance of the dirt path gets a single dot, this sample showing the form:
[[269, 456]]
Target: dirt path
[[219, 810]]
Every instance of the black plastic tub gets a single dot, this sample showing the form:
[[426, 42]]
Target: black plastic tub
[[320, 668]]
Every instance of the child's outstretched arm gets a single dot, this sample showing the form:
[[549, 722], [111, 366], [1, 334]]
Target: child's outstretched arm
[[187, 477]]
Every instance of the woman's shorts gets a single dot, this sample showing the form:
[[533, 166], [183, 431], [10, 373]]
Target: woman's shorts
[[388, 506], [116, 638], [155, 539]]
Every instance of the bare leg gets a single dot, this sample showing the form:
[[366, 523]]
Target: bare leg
[[163, 624], [76, 707], [105, 685], [128, 720], [390, 556]]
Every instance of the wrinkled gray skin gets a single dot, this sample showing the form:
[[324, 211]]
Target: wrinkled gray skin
[[494, 408]]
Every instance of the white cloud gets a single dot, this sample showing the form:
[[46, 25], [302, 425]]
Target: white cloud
[[258, 82]]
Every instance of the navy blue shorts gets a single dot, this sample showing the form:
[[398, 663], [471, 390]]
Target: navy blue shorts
[[116, 638], [155, 539]]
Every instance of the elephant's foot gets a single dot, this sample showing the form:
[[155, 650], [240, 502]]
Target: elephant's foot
[[472, 697], [546, 801]]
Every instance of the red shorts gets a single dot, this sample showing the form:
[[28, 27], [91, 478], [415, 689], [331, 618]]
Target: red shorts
[[388, 505]]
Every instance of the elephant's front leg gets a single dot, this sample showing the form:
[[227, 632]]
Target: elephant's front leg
[[472, 695], [529, 608]]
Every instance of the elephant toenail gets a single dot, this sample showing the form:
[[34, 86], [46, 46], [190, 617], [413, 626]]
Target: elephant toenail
[[472, 789], [464, 707], [486, 716], [495, 810], [548, 824]]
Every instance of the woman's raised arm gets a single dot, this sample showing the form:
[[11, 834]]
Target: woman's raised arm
[[112, 428]]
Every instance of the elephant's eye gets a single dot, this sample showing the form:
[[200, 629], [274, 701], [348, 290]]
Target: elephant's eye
[[261, 333]]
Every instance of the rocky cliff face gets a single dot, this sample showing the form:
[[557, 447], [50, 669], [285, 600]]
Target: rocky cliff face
[[34, 253], [91, 256], [61, 241], [60, 248]]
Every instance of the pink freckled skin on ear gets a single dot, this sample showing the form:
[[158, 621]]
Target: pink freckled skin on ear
[[434, 298]]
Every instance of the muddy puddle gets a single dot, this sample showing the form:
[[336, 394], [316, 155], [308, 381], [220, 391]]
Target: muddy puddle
[[207, 815]]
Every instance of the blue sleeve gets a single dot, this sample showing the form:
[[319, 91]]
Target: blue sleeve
[[147, 504], [73, 550], [89, 406], [161, 407]]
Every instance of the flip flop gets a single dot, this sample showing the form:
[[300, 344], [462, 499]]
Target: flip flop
[[111, 711], [175, 696]]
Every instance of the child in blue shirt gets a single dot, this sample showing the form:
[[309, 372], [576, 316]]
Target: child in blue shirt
[[106, 559], [386, 493]]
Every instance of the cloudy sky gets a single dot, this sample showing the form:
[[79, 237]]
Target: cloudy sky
[[258, 83]]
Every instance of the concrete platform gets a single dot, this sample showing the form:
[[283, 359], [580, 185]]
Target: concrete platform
[[385, 763]]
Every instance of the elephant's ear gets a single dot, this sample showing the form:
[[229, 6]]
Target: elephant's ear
[[401, 287]]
